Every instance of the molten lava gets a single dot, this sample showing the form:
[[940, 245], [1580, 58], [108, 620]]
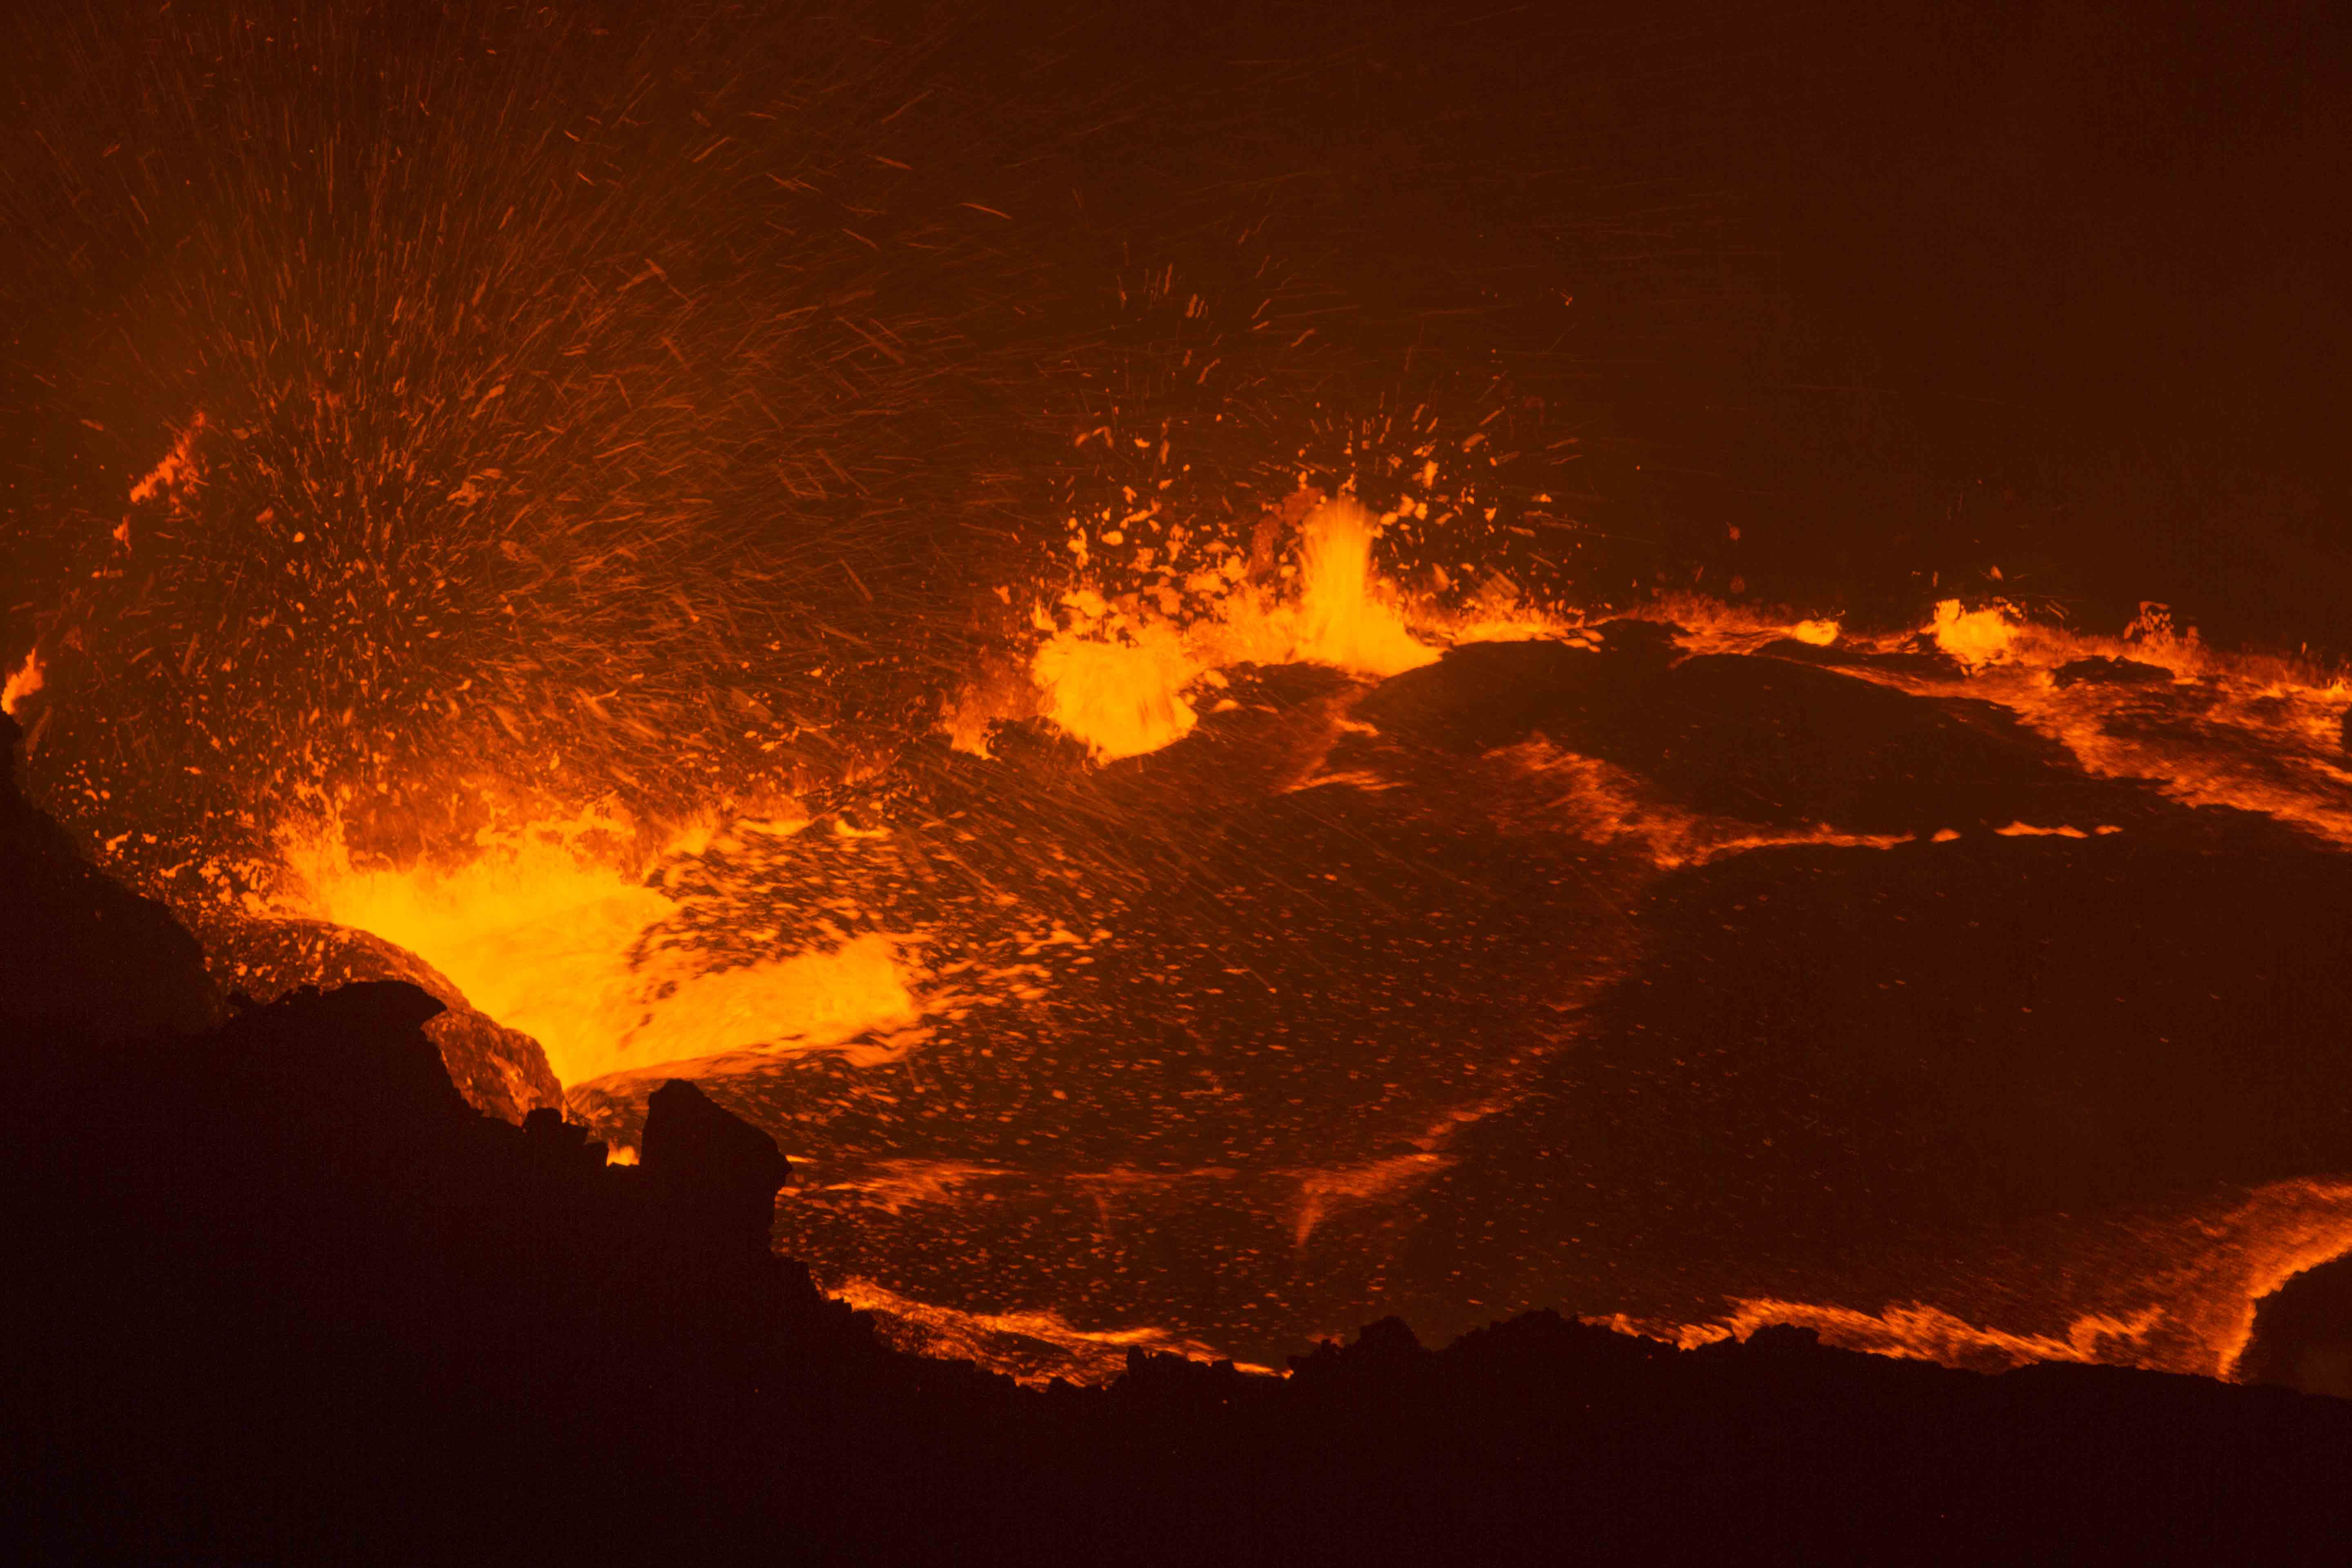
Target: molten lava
[[22, 683], [1121, 679], [548, 939]]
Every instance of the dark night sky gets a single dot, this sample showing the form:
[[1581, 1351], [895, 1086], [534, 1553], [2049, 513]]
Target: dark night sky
[[1899, 290], [1907, 287]]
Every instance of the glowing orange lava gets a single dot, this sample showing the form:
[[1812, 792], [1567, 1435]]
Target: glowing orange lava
[[1031, 1346], [2192, 1313], [548, 937], [23, 681], [1121, 678]]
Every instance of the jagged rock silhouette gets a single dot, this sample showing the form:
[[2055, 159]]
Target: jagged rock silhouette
[[77, 950], [282, 1295]]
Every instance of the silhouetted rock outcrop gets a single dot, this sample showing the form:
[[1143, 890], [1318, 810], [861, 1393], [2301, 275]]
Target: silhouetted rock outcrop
[[717, 1172], [503, 1072], [281, 1295], [77, 950], [288, 1295], [2302, 1333]]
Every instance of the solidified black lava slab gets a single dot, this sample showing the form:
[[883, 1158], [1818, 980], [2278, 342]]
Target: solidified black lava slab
[[1771, 743], [1758, 740], [1650, 643], [1218, 1111], [1797, 652], [1486, 695], [1830, 1053], [2101, 672]]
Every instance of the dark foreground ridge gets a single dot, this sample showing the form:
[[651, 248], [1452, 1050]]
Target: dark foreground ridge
[[278, 1293]]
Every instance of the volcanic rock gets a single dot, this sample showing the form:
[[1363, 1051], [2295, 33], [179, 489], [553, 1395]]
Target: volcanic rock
[[1800, 652], [710, 1163], [560, 1144], [78, 949], [2302, 1333], [370, 1324], [501, 1072], [1758, 740], [1484, 695], [1265, 728], [280, 1284], [384, 1072], [1769, 742]]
